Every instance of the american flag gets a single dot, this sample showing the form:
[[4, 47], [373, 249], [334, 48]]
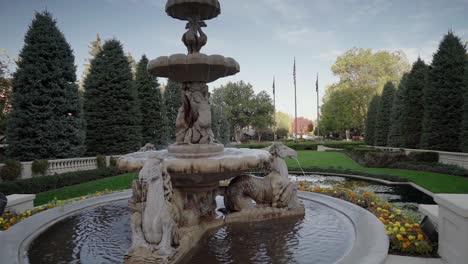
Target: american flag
[[273, 85], [294, 71]]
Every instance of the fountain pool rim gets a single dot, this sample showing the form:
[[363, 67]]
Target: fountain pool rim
[[370, 245]]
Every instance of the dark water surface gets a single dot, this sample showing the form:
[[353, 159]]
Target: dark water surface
[[103, 234]]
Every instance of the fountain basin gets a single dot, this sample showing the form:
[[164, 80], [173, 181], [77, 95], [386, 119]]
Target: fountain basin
[[195, 67], [184, 9], [365, 239]]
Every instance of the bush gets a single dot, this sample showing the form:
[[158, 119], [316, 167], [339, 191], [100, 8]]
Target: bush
[[383, 159], [431, 167], [43, 184], [424, 156], [113, 162], [306, 145], [11, 170], [39, 167], [101, 161]]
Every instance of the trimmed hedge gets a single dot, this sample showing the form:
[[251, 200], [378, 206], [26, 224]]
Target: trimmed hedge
[[306, 145], [39, 167], [431, 167], [383, 159], [424, 156], [47, 183]]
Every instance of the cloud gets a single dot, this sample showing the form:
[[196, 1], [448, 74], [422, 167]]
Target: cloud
[[305, 36]]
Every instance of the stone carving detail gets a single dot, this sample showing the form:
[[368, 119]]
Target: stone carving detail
[[194, 39], [273, 190], [154, 222], [193, 123]]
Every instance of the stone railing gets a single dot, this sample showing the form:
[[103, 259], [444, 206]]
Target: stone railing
[[62, 165], [445, 157]]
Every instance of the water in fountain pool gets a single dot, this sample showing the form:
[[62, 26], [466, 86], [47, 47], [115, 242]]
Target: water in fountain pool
[[103, 235]]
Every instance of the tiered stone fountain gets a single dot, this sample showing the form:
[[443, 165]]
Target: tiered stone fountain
[[174, 198]]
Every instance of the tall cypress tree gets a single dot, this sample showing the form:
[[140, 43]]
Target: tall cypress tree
[[113, 120], [371, 120], [172, 99], [443, 106], [151, 106], [382, 127], [395, 135], [46, 120], [413, 105], [464, 137]]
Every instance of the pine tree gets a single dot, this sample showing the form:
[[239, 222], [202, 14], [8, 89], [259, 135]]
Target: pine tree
[[172, 100], [46, 120], [111, 104], [413, 105], [382, 127], [443, 105], [151, 106], [395, 136], [464, 137], [95, 47], [371, 120]]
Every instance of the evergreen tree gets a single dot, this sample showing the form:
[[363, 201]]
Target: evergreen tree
[[371, 120], [172, 100], [443, 105], [382, 127], [413, 105], [395, 136], [151, 106], [46, 120], [111, 104], [464, 137]]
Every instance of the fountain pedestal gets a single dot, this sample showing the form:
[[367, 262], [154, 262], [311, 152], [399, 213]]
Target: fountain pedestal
[[174, 199]]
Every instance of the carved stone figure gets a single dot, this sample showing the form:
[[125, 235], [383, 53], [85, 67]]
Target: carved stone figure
[[194, 39], [273, 190], [155, 225], [193, 123]]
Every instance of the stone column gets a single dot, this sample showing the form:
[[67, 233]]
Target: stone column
[[453, 227]]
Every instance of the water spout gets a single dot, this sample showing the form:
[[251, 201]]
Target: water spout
[[298, 163]]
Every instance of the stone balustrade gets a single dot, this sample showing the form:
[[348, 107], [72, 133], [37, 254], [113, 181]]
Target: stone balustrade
[[445, 157], [59, 166]]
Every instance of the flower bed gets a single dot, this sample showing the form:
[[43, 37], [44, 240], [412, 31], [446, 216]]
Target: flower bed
[[8, 219], [406, 236]]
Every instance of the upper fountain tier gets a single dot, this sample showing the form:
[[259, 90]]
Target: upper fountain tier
[[187, 9], [195, 67]]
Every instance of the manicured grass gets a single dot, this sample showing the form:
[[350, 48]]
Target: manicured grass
[[120, 182], [435, 182]]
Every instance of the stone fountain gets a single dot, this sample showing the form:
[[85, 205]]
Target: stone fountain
[[174, 199]]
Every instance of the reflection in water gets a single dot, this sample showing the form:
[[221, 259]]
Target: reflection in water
[[322, 236]]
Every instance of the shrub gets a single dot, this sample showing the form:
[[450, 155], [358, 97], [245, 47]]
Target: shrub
[[39, 167], [11, 170], [431, 167], [43, 184], [101, 161], [113, 162], [424, 156], [383, 159]]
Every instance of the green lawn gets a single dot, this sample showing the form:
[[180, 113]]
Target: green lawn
[[120, 182], [435, 182]]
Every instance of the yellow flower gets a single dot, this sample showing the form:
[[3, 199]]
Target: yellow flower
[[399, 237], [1, 220], [407, 225], [420, 236], [392, 216], [397, 224], [372, 203], [395, 229], [389, 233], [411, 237], [398, 212], [417, 244]]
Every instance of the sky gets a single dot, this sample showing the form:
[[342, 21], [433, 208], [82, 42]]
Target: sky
[[264, 36]]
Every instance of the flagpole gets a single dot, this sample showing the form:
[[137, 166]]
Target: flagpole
[[295, 102], [318, 107], [274, 110]]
